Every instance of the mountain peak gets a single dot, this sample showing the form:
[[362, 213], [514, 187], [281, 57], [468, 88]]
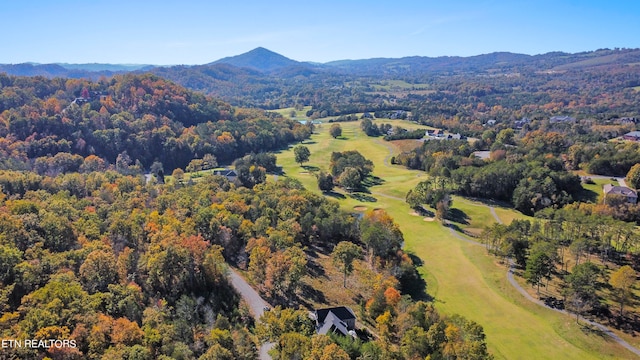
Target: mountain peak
[[260, 59]]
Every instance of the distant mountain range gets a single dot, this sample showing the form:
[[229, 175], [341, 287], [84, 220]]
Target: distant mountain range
[[269, 62], [262, 69]]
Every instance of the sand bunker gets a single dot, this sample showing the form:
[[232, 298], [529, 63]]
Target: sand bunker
[[413, 213], [429, 219], [360, 208]]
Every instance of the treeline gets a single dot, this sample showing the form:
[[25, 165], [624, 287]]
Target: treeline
[[612, 159], [530, 181], [389, 131], [145, 117], [575, 248]]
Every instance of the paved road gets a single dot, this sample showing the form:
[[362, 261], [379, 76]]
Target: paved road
[[495, 216], [256, 305]]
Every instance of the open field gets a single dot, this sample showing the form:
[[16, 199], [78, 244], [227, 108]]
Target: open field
[[390, 85], [460, 276], [300, 114]]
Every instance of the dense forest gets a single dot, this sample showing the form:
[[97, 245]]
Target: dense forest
[[132, 121]]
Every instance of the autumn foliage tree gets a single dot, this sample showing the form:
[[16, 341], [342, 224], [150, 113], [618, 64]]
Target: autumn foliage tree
[[622, 281], [343, 255]]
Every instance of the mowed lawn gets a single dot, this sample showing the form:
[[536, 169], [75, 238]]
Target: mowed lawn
[[460, 276]]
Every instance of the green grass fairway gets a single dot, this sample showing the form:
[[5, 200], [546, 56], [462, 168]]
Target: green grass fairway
[[460, 276], [300, 114]]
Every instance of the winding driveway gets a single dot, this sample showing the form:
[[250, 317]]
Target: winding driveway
[[524, 293], [256, 304]]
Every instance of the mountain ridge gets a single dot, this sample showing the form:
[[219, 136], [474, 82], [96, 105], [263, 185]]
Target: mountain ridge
[[267, 61], [259, 59]]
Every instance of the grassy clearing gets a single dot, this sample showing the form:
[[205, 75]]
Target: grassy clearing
[[595, 190], [459, 275], [406, 124], [636, 88], [300, 114], [391, 85]]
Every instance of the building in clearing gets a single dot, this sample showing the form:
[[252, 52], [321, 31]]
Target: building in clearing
[[628, 193], [231, 175], [341, 320]]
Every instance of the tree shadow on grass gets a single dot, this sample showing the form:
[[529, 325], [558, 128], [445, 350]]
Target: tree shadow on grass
[[587, 195], [592, 330], [456, 227], [362, 197], [312, 294], [334, 194], [424, 212], [458, 216], [413, 284], [372, 181], [310, 167], [315, 270]]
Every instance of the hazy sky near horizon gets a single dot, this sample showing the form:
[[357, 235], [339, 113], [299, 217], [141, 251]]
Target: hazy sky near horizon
[[198, 31]]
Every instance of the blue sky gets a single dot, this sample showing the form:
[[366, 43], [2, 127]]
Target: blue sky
[[198, 31]]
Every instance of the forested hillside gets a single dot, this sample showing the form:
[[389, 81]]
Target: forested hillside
[[60, 125]]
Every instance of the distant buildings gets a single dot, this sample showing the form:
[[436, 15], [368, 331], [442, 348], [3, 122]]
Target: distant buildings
[[440, 135], [519, 124]]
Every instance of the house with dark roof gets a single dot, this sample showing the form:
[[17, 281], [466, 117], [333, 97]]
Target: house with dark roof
[[230, 174], [336, 320], [519, 124], [628, 193]]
